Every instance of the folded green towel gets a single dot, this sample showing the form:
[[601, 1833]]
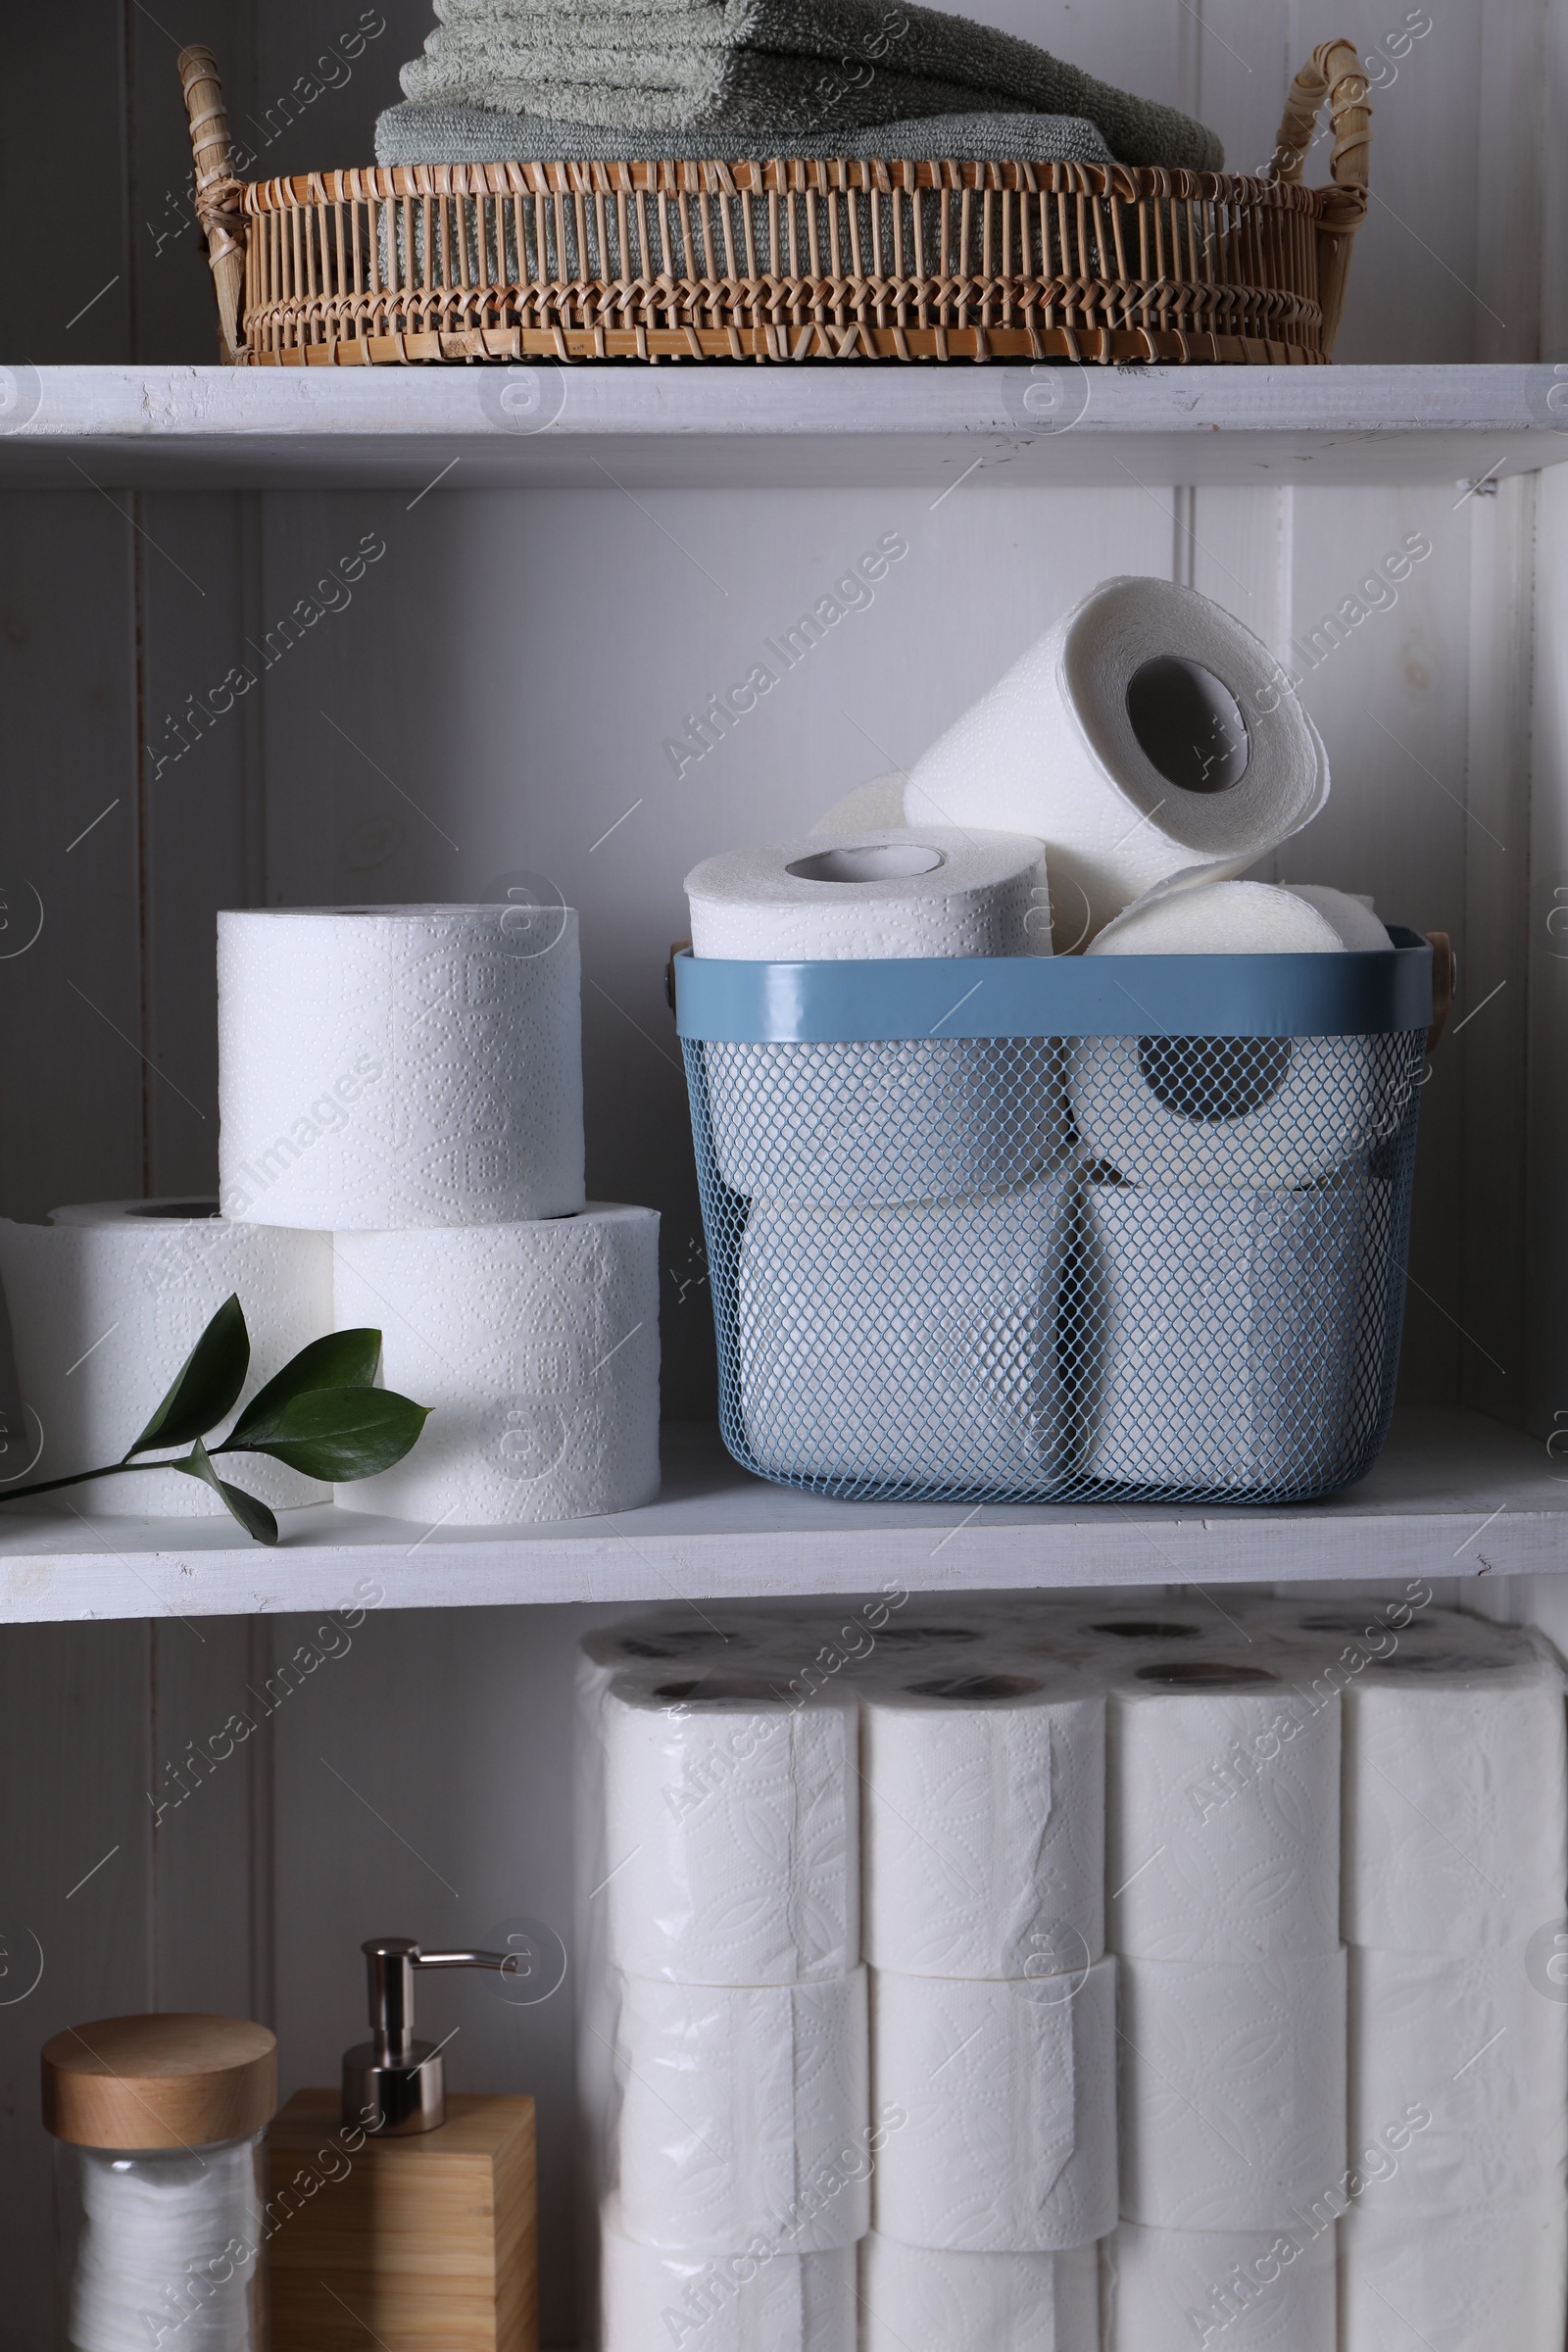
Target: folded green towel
[[466, 134], [767, 74]]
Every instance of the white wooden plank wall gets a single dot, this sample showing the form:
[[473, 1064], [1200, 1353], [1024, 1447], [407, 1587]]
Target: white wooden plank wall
[[514, 666]]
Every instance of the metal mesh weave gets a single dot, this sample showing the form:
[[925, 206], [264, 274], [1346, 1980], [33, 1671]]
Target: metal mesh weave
[[1046, 1268]]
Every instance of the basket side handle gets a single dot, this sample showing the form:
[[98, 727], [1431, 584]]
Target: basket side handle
[[1333, 71], [219, 193]]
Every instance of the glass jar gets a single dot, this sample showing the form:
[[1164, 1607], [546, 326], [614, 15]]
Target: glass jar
[[159, 2248], [159, 2188]]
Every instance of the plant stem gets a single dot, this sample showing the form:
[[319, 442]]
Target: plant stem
[[79, 1478]]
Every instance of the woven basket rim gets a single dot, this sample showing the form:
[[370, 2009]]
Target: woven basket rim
[[692, 176]]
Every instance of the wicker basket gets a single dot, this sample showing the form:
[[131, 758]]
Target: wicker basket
[[787, 260]]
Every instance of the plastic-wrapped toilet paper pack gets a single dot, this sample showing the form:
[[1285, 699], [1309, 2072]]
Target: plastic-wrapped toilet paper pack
[[1478, 2050], [1010, 2091], [923, 1119], [1233, 2090], [1235, 2290], [921, 2299], [105, 1303], [699, 1635], [907, 1346], [744, 2116], [984, 1814], [1224, 1337], [738, 2302], [1490, 2276], [383, 1067], [732, 1829], [1145, 736], [537, 1347], [1223, 1813], [1456, 1803]]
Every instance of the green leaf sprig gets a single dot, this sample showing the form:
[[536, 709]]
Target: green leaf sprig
[[322, 1414]]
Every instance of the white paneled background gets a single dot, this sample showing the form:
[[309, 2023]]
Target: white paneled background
[[496, 698]]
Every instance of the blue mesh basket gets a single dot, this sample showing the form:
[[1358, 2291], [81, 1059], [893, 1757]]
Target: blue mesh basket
[[1033, 1229]]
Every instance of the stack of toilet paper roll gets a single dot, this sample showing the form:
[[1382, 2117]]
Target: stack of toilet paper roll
[[993, 2008], [936, 1161], [408, 1079], [1456, 1812], [1223, 1908], [401, 1147], [740, 2157]]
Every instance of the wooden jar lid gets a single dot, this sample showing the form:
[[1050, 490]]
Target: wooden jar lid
[[169, 2081]]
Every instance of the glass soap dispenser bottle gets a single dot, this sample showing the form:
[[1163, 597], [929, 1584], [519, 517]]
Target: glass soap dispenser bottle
[[159, 2125]]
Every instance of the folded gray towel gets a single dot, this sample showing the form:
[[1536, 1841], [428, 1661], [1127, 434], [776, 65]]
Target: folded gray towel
[[467, 134], [766, 74]]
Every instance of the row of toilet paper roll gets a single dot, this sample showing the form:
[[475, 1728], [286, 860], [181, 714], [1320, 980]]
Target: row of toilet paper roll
[[535, 1343], [989, 2095]]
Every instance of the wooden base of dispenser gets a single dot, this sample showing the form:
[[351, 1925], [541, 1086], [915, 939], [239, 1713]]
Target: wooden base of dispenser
[[421, 2244]]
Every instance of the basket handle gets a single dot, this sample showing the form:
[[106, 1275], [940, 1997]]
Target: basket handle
[[219, 193], [1333, 71]]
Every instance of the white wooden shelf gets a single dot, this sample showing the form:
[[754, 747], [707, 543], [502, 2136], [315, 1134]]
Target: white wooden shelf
[[1453, 1495], [714, 425]]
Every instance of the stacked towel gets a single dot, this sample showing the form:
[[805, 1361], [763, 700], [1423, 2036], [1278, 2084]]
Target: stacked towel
[[766, 75], [413, 133]]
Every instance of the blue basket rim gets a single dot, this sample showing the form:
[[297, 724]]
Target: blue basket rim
[[900, 1000]]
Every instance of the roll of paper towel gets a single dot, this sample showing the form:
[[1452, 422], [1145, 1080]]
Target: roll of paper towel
[[915, 2296], [873, 807], [744, 2119], [898, 892], [1228, 1338], [1245, 919], [1235, 2290], [738, 2302], [537, 1345], [927, 1120], [732, 1830], [984, 1823], [1010, 2091], [1223, 1815], [1146, 735], [907, 1346], [1481, 2052], [387, 1066], [1232, 2090], [1492, 2276], [1455, 1803], [106, 1303]]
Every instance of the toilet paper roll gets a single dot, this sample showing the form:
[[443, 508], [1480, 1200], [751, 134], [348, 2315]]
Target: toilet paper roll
[[537, 1345], [1010, 2145], [702, 1637], [745, 2121], [1229, 1339], [898, 892], [984, 1823], [1223, 1813], [732, 1829], [944, 2302], [1243, 918], [1246, 2290], [912, 1347], [1455, 1802], [388, 1066], [1494, 2275], [1232, 2090], [738, 2302], [1145, 736], [874, 806], [106, 1303], [1473, 2058], [841, 1124]]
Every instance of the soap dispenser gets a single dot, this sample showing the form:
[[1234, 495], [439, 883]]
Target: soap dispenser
[[398, 2213]]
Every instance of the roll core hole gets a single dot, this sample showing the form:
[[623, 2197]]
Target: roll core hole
[[877, 862], [740, 1687], [1204, 1674], [1189, 724], [975, 1685], [182, 1209], [1148, 1629]]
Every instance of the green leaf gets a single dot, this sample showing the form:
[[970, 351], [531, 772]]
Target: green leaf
[[344, 1359], [339, 1434], [208, 1382], [254, 1517]]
